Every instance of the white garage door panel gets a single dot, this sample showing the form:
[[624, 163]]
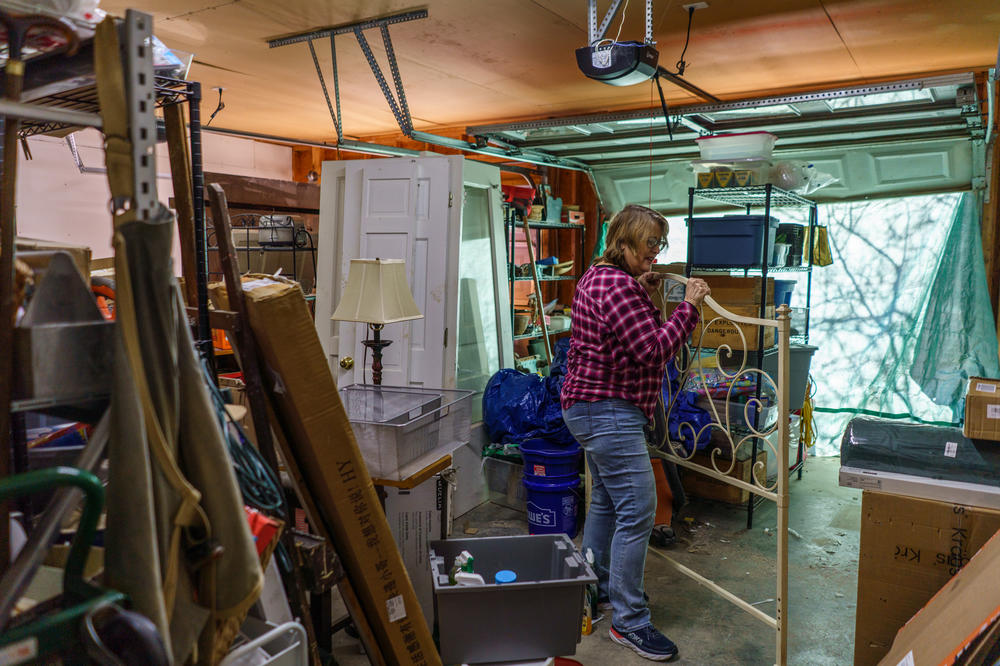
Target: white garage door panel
[[837, 168], [879, 171], [636, 189], [912, 168]]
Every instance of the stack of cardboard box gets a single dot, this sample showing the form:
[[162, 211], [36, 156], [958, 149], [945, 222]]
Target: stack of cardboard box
[[741, 296]]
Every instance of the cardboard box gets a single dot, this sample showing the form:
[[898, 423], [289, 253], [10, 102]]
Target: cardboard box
[[417, 517], [956, 618], [238, 390], [909, 549], [700, 485], [726, 290], [721, 332], [322, 455], [982, 409], [80, 253], [741, 296]]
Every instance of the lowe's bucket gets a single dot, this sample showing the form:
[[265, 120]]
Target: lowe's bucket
[[541, 460], [552, 504]]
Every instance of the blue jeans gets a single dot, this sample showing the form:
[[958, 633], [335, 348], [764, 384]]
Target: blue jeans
[[622, 504]]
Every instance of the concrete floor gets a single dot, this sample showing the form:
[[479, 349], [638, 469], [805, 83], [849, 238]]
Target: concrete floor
[[713, 540]]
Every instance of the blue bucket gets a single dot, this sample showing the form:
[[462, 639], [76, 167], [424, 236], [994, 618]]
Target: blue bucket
[[548, 462], [552, 504], [783, 291]]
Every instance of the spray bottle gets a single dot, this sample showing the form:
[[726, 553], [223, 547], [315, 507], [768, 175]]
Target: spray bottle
[[463, 563]]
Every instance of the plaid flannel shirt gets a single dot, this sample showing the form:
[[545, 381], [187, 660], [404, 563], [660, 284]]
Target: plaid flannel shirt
[[619, 345]]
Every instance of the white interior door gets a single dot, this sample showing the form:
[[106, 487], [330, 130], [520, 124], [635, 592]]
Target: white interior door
[[398, 209], [328, 286]]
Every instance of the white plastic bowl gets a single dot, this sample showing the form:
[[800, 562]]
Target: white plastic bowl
[[745, 145]]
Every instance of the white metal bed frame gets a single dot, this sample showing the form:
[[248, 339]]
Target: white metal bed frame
[[724, 458]]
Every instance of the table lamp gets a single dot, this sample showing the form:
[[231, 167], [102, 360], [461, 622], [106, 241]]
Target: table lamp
[[377, 294]]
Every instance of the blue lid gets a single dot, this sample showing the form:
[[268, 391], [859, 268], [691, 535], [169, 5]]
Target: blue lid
[[505, 576]]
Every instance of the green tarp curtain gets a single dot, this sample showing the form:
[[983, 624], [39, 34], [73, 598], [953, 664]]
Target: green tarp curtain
[[902, 318]]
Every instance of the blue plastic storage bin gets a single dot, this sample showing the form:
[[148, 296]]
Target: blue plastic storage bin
[[730, 240]]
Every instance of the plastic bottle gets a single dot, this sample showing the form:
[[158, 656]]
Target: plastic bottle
[[463, 563], [466, 578]]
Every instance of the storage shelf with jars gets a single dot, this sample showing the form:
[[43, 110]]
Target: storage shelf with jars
[[536, 319]]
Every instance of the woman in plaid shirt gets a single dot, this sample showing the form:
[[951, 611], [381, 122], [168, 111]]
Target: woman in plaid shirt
[[619, 348]]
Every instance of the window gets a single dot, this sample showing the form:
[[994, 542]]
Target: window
[[479, 349]]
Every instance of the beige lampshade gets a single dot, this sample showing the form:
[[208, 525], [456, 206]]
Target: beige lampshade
[[377, 293]]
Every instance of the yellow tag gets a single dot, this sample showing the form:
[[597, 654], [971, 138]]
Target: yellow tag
[[724, 177], [706, 179], [743, 177], [15, 67]]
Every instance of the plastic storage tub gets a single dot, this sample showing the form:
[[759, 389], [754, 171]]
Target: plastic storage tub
[[536, 617], [402, 429], [800, 359], [755, 145], [503, 481], [731, 173], [730, 240]]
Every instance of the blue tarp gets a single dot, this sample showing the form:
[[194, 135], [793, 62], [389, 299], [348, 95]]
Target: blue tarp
[[684, 411], [518, 406]]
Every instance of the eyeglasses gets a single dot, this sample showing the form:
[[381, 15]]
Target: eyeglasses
[[658, 244]]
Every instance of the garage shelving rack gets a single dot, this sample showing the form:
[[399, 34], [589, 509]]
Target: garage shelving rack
[[767, 198], [513, 225], [60, 94]]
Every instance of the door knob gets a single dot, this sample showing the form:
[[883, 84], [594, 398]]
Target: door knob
[[347, 363]]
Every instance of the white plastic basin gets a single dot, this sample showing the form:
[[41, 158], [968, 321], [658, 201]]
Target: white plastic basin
[[753, 145]]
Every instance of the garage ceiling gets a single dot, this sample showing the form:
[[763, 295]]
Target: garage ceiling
[[485, 61]]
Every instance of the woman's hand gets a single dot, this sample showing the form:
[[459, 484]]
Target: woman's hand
[[650, 280], [697, 290]]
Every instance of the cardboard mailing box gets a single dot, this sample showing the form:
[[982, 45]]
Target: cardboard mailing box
[[982, 409], [909, 549], [956, 619], [323, 456]]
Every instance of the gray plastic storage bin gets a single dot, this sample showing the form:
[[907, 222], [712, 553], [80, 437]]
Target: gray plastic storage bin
[[799, 362], [537, 616]]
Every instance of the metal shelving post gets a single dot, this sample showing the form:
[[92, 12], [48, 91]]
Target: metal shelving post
[[204, 340], [511, 224]]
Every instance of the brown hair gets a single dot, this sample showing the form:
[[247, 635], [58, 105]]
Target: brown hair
[[631, 226]]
